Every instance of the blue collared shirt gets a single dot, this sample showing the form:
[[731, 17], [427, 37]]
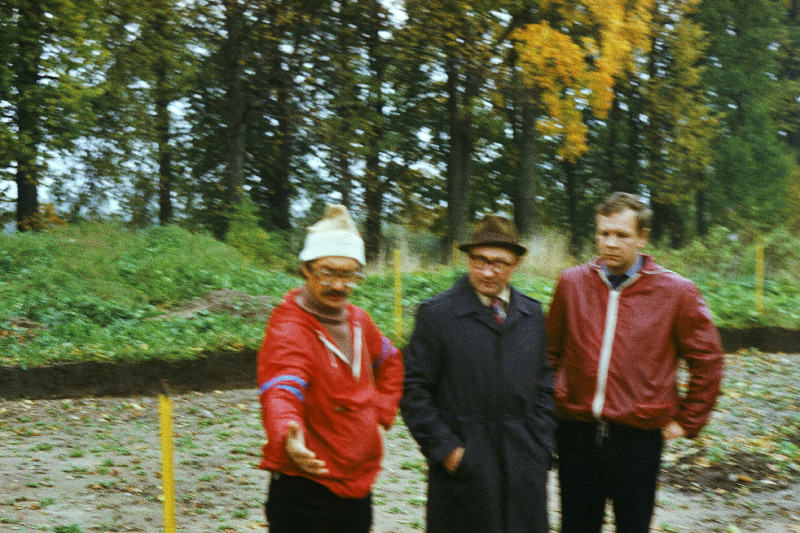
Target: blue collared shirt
[[617, 279]]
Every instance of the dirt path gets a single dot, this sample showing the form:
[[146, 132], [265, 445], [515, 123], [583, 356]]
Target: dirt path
[[93, 465]]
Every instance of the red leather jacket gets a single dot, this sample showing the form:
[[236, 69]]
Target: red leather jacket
[[617, 352], [339, 409]]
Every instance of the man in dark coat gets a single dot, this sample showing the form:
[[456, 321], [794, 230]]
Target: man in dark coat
[[478, 395]]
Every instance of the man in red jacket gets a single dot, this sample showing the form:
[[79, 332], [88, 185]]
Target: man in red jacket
[[328, 380], [617, 330]]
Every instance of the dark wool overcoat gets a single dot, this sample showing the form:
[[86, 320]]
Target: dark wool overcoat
[[485, 386]]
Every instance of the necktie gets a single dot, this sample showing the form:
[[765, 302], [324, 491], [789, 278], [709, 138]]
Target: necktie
[[617, 279], [498, 310]]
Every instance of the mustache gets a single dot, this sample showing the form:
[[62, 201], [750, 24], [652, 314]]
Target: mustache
[[335, 293]]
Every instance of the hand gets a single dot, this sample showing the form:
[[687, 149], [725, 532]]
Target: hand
[[304, 459], [453, 460], [672, 430]]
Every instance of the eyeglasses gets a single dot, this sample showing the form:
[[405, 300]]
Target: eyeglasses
[[330, 277], [497, 266]]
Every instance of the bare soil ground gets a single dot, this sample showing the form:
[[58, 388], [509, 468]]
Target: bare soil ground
[[93, 464]]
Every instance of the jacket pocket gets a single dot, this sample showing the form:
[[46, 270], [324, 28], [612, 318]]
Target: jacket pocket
[[654, 411]]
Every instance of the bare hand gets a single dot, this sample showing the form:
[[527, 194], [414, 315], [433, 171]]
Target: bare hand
[[304, 459], [672, 430], [453, 460]]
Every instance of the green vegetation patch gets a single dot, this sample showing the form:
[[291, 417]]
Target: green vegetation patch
[[99, 292], [92, 291]]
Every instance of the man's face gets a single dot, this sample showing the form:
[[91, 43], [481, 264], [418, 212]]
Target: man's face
[[618, 240], [331, 279], [490, 268]]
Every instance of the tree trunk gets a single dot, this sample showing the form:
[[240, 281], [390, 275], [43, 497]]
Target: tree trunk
[[280, 187], [459, 161], [677, 227], [233, 115], [375, 184], [525, 210], [273, 192], [26, 80], [373, 234], [659, 228], [700, 212], [571, 186], [630, 180], [165, 170], [344, 185], [614, 120]]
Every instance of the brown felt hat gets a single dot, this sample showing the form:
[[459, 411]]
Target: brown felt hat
[[495, 230]]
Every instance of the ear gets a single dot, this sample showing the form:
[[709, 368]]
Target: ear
[[644, 235], [305, 272], [518, 261]]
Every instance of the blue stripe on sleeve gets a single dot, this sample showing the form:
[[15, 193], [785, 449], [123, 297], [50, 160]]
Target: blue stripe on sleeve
[[294, 390], [387, 351], [279, 379]]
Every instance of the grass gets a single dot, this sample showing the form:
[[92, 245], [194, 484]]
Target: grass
[[89, 292]]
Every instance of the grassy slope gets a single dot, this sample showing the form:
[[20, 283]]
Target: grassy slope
[[92, 287]]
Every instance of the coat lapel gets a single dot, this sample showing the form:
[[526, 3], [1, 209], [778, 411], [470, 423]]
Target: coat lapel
[[468, 304]]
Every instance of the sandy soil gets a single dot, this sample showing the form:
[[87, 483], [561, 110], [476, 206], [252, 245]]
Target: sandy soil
[[93, 465]]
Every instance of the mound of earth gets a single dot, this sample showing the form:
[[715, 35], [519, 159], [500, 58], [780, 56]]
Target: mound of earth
[[228, 301]]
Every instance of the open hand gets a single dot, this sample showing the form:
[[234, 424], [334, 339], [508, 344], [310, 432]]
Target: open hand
[[304, 459]]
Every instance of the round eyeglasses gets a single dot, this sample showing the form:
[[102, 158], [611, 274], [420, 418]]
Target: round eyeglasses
[[329, 278], [497, 266]]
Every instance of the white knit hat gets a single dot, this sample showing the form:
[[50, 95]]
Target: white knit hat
[[335, 235]]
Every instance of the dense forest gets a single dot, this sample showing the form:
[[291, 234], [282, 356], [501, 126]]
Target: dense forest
[[424, 113]]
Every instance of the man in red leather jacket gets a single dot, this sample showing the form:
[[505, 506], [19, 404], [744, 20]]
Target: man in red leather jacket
[[618, 328]]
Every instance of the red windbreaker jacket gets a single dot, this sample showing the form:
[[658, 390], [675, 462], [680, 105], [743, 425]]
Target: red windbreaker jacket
[[337, 407], [617, 352]]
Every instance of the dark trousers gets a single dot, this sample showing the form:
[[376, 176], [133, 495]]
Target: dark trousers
[[298, 505], [599, 462]]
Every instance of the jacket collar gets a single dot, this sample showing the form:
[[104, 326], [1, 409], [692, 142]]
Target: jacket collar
[[290, 309], [649, 267], [467, 303]]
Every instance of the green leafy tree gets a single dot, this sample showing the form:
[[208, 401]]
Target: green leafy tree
[[134, 146], [789, 107], [680, 124], [219, 108], [452, 45], [252, 92], [570, 55], [751, 164], [46, 81]]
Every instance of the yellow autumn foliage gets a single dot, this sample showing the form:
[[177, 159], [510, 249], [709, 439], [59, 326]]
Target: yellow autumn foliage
[[573, 67]]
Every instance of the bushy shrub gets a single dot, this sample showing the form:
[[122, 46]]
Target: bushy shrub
[[418, 249], [274, 250], [733, 254], [782, 254], [548, 255]]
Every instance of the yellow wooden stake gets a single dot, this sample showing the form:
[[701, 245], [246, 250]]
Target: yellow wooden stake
[[398, 298], [167, 477], [759, 278]]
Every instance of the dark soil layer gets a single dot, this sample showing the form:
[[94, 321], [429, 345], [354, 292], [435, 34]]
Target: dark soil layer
[[765, 339], [232, 370], [228, 370]]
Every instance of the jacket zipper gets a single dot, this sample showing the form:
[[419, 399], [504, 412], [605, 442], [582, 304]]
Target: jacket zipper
[[605, 353]]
